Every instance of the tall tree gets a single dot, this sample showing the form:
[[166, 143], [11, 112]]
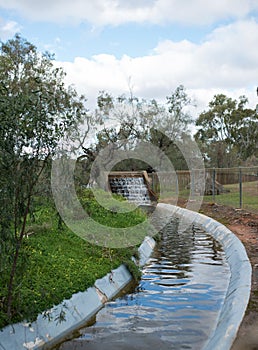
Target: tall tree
[[170, 127], [135, 120], [36, 110], [227, 131]]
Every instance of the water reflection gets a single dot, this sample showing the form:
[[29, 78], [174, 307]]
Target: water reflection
[[176, 304]]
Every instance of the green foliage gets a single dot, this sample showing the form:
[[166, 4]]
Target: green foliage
[[134, 270], [227, 131], [36, 110], [57, 263], [138, 120], [178, 119]]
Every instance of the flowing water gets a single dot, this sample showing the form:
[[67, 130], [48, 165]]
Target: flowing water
[[176, 304], [132, 188]]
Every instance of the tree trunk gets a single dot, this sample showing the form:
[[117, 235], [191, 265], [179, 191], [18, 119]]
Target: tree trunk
[[15, 261]]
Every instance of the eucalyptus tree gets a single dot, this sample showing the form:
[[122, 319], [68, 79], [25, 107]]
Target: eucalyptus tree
[[123, 125], [127, 121], [170, 129], [227, 131], [36, 110]]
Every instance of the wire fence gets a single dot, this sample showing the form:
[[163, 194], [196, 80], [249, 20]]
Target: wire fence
[[235, 187]]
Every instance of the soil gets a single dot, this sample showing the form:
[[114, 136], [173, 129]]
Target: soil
[[245, 226]]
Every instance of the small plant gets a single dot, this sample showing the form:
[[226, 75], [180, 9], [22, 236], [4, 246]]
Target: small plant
[[134, 270]]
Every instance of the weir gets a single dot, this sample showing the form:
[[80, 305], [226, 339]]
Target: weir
[[135, 186]]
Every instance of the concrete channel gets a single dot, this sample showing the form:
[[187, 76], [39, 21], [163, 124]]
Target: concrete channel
[[44, 334], [239, 288]]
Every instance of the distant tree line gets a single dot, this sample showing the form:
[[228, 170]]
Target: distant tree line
[[227, 132]]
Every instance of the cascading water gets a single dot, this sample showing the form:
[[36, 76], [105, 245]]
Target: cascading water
[[132, 188]]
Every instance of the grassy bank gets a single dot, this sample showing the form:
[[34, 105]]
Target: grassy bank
[[55, 262]]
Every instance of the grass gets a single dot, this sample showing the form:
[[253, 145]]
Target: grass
[[119, 224], [231, 198], [55, 263]]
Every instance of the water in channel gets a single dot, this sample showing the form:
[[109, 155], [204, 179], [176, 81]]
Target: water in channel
[[176, 304]]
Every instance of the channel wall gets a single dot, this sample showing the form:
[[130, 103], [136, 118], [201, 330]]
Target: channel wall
[[46, 331], [238, 292]]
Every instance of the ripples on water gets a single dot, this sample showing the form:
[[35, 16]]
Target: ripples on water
[[176, 304]]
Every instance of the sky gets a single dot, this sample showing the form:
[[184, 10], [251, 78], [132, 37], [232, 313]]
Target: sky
[[148, 47]]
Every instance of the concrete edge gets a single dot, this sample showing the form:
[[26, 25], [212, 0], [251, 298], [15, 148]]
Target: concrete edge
[[238, 293], [82, 306]]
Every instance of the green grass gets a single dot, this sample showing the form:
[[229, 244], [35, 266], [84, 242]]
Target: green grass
[[55, 263], [119, 224], [118, 214], [231, 198]]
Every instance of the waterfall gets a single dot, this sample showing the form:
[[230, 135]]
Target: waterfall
[[132, 188]]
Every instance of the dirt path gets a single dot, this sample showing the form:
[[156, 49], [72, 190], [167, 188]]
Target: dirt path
[[245, 226]]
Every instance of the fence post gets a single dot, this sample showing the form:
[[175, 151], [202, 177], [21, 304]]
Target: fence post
[[154, 182], [213, 184], [240, 188], [177, 184], [192, 190]]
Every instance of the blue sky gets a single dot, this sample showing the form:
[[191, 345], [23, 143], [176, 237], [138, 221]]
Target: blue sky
[[149, 46], [68, 40]]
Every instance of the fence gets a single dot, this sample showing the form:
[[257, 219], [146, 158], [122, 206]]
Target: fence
[[236, 187]]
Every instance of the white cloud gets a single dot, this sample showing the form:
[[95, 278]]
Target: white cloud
[[115, 12], [8, 29], [225, 62]]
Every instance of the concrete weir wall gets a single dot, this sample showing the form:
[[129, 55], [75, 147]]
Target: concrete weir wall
[[45, 332], [239, 288]]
